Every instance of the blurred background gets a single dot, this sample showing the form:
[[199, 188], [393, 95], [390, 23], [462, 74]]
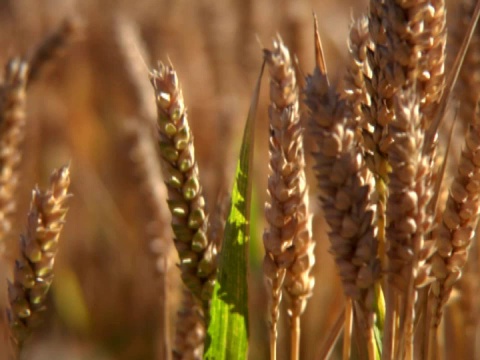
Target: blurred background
[[104, 302]]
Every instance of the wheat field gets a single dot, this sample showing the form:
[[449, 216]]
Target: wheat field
[[120, 118]]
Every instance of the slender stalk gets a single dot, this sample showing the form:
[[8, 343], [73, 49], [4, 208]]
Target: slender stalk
[[347, 330], [295, 337]]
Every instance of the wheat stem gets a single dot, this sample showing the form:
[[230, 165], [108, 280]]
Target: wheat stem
[[347, 330], [295, 337]]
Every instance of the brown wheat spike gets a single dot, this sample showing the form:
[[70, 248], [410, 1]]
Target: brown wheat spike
[[288, 242], [187, 205], [12, 123], [33, 273], [459, 221], [53, 46], [190, 330], [408, 219], [347, 196]]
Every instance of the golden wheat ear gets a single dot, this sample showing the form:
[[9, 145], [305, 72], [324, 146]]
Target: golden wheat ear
[[33, 272], [410, 191], [12, 124], [288, 241]]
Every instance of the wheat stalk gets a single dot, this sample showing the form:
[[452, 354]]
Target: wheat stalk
[[33, 273], [288, 244]]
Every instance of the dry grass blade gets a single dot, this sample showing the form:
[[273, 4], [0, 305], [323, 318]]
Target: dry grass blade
[[346, 193], [12, 124], [187, 205], [53, 46], [33, 273], [288, 241]]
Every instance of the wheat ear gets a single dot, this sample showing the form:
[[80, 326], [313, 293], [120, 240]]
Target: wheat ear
[[459, 221], [144, 158], [52, 46], [409, 222], [33, 273], [187, 205], [12, 124], [288, 243], [346, 193]]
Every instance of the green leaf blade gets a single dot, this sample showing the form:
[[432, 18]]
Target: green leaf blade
[[227, 334]]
